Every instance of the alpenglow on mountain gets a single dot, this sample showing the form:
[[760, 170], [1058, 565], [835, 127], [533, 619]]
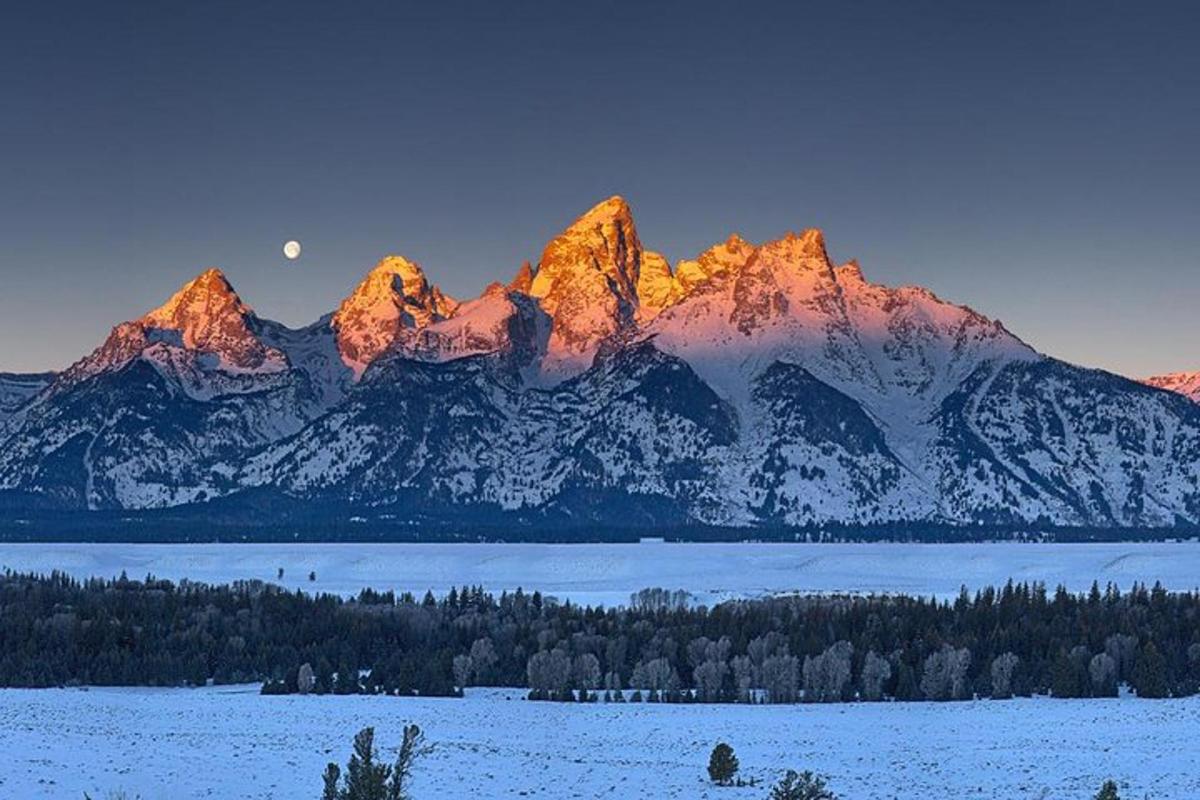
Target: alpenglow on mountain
[[755, 385]]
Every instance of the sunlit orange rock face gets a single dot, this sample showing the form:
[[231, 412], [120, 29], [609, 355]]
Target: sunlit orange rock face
[[587, 282], [395, 298], [203, 328], [208, 316]]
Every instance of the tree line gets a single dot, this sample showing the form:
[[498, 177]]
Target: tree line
[[1018, 639]]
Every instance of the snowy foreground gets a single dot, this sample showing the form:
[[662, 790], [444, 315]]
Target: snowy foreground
[[177, 744], [608, 573]]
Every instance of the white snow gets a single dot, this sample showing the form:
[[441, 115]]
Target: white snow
[[609, 573], [232, 743]]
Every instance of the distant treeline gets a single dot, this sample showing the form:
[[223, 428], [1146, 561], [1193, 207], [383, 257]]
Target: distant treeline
[[1014, 640], [278, 519]]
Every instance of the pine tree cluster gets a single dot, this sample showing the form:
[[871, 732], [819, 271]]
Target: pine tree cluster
[[1015, 640]]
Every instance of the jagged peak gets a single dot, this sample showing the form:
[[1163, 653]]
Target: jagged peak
[[495, 289], [523, 281], [393, 297], [812, 243], [614, 208], [412, 277], [805, 250], [850, 272], [714, 264], [601, 244], [207, 295]]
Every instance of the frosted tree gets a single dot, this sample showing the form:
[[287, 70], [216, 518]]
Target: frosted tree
[[462, 670], [305, 680], [656, 675], [586, 671], [710, 678], [697, 651], [704, 649], [1004, 667], [826, 676], [483, 658], [945, 674], [762, 647], [1102, 670], [548, 673], [1123, 649], [743, 677], [781, 678], [876, 671]]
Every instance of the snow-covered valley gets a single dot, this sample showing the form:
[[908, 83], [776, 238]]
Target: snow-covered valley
[[232, 743], [608, 573]]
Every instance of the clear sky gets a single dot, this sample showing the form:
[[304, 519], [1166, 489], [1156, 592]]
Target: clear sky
[[1037, 161]]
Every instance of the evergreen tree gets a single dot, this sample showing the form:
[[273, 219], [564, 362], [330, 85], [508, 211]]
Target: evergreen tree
[[331, 777], [1150, 673], [722, 765], [412, 746], [366, 778], [1108, 791], [801, 786]]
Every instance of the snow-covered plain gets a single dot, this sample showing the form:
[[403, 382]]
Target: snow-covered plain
[[608, 573], [230, 743]]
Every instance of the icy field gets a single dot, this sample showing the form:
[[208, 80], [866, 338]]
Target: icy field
[[177, 744], [608, 573]]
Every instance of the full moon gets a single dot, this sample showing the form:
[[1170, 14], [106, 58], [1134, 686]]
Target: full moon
[[291, 250]]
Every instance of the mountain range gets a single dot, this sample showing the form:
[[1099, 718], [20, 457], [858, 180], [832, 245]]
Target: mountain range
[[755, 385]]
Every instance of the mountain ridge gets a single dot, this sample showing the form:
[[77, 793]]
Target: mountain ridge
[[755, 385]]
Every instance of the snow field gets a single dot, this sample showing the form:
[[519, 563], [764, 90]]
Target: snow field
[[231, 742], [609, 573]]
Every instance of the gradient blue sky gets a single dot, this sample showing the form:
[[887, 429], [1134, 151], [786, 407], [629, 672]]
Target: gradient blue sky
[[1037, 161]]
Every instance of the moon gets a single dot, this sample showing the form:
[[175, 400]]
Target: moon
[[291, 250]]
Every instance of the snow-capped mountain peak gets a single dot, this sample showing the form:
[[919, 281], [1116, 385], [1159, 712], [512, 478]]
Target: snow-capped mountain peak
[[209, 317], [587, 281], [752, 384], [394, 298]]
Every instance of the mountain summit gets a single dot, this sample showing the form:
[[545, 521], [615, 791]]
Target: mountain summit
[[394, 298], [754, 385]]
